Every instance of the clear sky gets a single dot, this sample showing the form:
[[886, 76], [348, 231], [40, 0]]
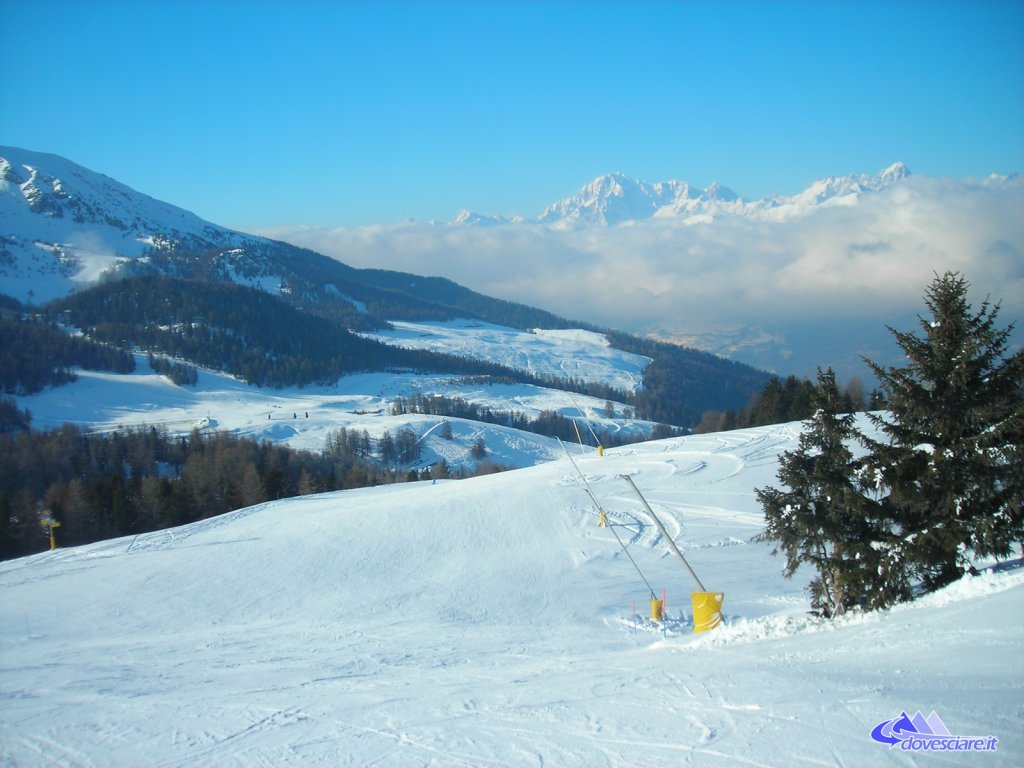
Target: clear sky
[[277, 114]]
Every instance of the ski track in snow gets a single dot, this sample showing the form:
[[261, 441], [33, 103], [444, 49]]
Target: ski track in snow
[[487, 622]]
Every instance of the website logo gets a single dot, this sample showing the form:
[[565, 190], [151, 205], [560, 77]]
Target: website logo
[[928, 734]]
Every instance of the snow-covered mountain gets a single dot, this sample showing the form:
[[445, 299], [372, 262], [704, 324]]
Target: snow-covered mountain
[[64, 228], [62, 225], [833, 187], [471, 218], [615, 199]]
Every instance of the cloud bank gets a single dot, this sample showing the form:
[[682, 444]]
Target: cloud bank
[[788, 290]]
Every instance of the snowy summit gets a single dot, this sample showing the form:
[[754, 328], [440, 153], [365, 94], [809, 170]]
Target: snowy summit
[[615, 199]]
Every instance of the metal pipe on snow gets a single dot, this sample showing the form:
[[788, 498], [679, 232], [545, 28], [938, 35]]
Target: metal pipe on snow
[[600, 509], [661, 528]]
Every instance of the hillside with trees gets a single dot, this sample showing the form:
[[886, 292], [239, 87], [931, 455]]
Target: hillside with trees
[[267, 340], [789, 399], [246, 332], [36, 353], [680, 385]]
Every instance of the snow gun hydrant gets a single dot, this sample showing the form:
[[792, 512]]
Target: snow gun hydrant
[[707, 606], [49, 522]]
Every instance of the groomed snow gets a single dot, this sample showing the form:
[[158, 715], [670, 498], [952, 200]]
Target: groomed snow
[[488, 622]]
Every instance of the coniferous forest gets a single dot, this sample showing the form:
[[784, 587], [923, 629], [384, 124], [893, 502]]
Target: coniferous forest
[[35, 354], [100, 486]]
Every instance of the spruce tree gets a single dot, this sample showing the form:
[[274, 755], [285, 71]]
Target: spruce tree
[[951, 471], [824, 519]]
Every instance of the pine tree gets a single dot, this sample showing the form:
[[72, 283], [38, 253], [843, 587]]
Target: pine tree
[[408, 446], [308, 484], [951, 471], [251, 486], [388, 450], [479, 450], [824, 519]]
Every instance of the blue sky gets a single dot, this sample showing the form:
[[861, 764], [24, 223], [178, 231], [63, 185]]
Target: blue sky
[[271, 114]]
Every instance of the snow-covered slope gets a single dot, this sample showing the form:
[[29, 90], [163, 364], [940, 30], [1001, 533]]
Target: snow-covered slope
[[303, 418], [489, 622], [564, 354], [615, 199]]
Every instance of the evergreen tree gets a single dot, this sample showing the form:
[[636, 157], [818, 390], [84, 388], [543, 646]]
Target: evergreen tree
[[824, 519], [251, 486], [951, 471], [12, 418], [407, 446], [8, 543], [479, 450], [388, 450], [308, 484]]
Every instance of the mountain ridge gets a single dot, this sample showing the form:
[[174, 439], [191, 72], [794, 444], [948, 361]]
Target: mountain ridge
[[614, 199], [64, 227]]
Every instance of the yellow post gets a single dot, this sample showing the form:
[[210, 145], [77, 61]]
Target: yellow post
[[707, 610], [600, 450], [656, 609], [602, 519], [51, 524]]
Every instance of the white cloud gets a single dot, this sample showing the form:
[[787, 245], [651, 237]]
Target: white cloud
[[837, 268]]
